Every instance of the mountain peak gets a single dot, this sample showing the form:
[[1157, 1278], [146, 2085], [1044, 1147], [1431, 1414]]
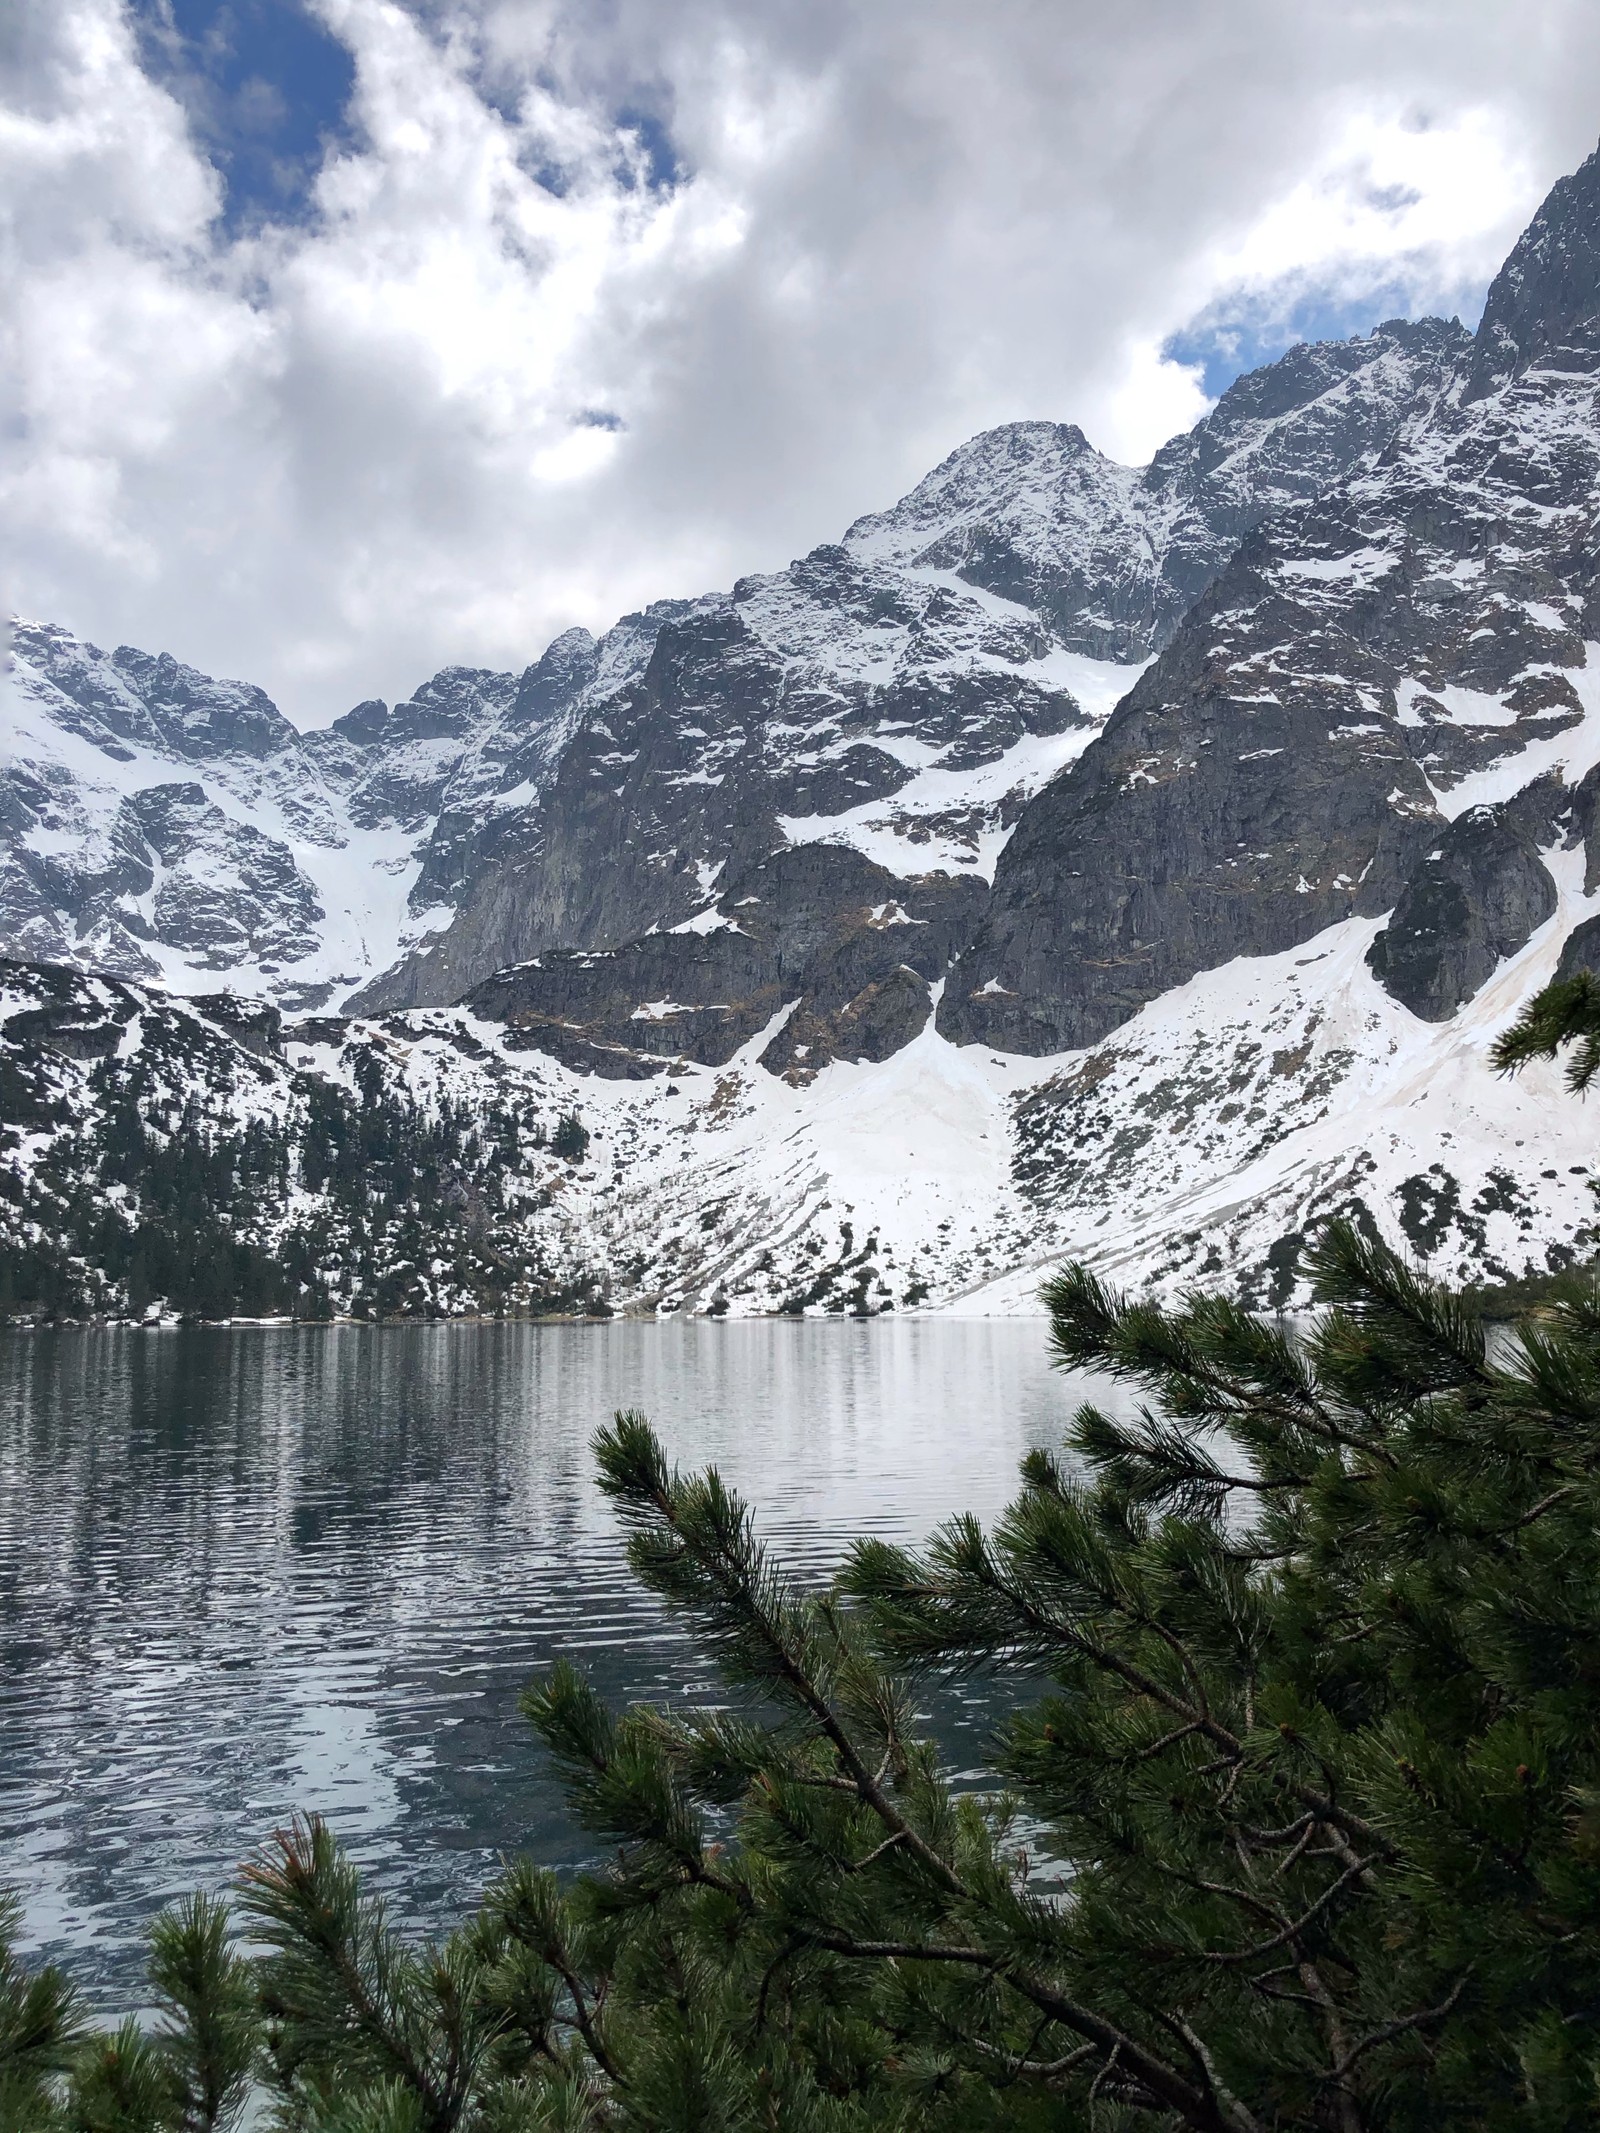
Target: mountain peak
[[985, 470], [1548, 287]]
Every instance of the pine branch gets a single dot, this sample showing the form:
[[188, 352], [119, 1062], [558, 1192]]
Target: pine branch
[[1214, 1362], [1567, 1011], [122, 2081], [1293, 1930], [905, 1596], [1416, 1336], [693, 1545], [210, 2029], [339, 1985], [1163, 2082], [41, 2019]]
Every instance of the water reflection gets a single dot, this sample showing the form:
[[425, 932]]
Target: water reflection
[[244, 1571]]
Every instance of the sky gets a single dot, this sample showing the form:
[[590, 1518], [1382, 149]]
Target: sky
[[341, 340]]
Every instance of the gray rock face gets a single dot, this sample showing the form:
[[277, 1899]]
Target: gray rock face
[[167, 868], [792, 702], [414, 751], [226, 890], [847, 947], [1207, 821], [136, 699], [823, 690], [1366, 663], [1475, 897], [64, 884], [1580, 950], [217, 837]]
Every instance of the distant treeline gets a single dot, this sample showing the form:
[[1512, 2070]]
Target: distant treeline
[[360, 1203]]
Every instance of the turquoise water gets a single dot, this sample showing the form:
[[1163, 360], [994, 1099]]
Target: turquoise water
[[244, 1571]]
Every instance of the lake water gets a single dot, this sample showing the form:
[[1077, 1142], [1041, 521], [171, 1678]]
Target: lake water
[[248, 1570]]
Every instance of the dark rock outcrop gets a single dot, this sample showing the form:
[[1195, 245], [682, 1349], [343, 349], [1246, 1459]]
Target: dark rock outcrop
[[845, 944], [1580, 950], [1475, 897], [1585, 821], [1213, 818], [255, 1024], [883, 1017]]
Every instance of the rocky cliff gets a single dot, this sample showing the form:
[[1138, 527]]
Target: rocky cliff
[[1407, 646]]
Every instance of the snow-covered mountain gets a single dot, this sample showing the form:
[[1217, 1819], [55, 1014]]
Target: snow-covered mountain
[[906, 690], [1130, 862], [1221, 1123]]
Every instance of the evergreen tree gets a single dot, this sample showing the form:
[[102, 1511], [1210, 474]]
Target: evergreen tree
[[1324, 1778], [41, 2029], [189, 2074], [570, 1141]]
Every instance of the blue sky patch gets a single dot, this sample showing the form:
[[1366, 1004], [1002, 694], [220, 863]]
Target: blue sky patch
[[264, 85], [663, 168], [1232, 337]]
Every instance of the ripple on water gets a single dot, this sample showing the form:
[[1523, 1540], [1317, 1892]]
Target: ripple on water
[[244, 1571]]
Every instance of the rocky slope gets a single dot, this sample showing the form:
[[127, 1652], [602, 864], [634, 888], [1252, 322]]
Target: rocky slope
[[165, 1156], [1282, 757]]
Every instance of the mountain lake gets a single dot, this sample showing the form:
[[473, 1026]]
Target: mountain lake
[[250, 1570]]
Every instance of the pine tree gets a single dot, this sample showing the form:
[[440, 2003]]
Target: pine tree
[[1565, 1012], [41, 2029], [1325, 1779], [189, 2074], [570, 1141]]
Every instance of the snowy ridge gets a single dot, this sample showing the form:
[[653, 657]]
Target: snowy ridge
[[905, 691], [1114, 556], [293, 865]]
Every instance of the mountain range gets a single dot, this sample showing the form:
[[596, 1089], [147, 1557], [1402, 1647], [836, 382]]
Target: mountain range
[[1074, 858]]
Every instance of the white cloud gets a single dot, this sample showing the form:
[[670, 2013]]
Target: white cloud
[[1395, 197], [335, 456], [1153, 399]]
